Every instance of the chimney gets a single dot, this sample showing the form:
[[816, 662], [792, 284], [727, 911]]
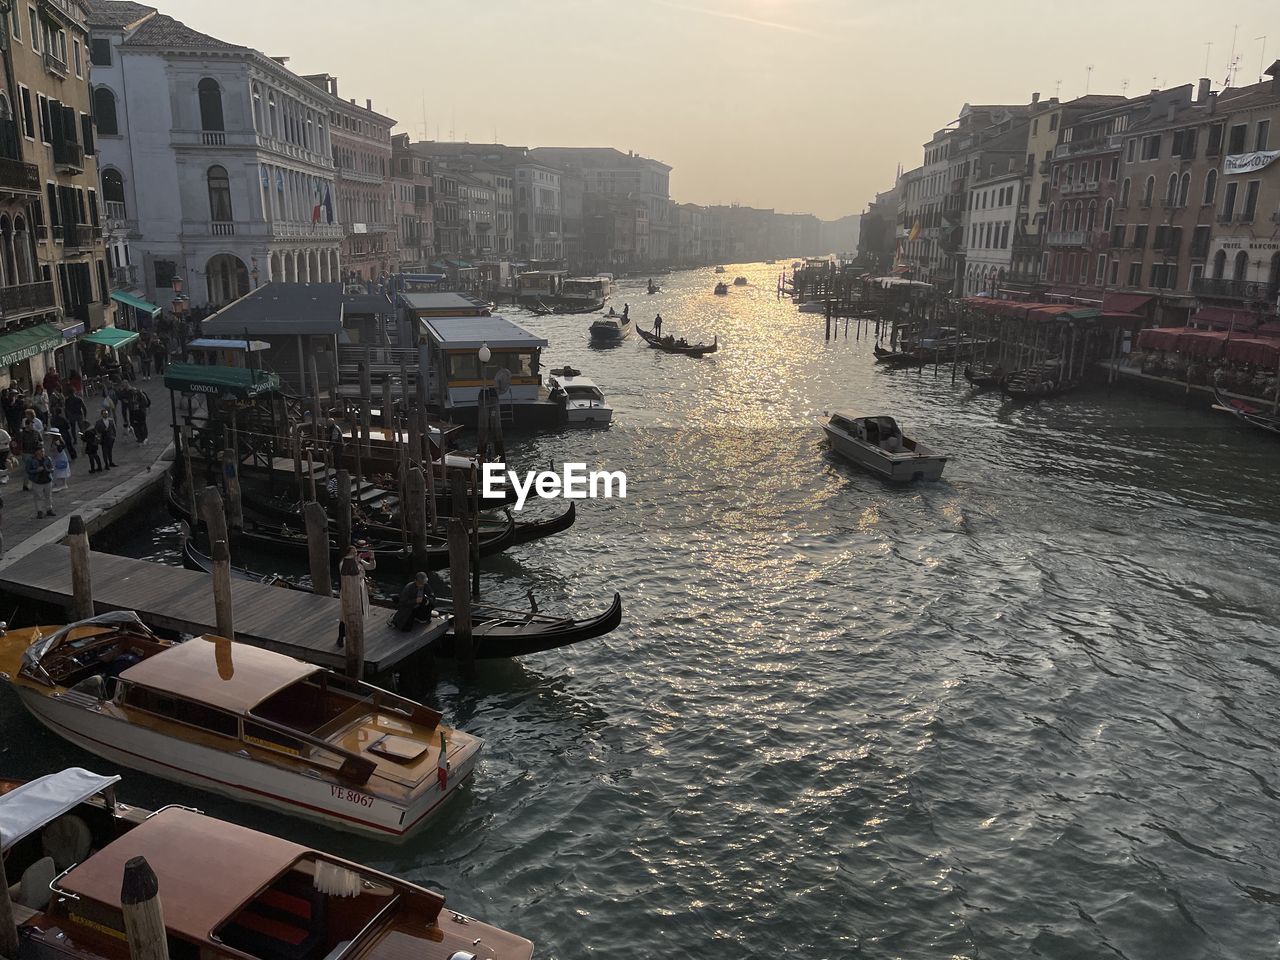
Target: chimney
[[333, 86], [368, 105], [1202, 90], [1035, 97], [1213, 103]]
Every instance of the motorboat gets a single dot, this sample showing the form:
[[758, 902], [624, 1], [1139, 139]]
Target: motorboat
[[653, 288], [878, 445], [238, 720], [739, 281], [722, 289], [581, 400], [227, 892], [719, 269], [613, 328]]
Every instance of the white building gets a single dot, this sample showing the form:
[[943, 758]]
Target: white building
[[213, 159], [994, 206]]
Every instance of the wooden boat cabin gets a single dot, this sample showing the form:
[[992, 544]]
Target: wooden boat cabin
[[451, 348], [225, 891], [235, 719]]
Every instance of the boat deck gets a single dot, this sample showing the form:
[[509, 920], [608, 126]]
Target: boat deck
[[301, 625]]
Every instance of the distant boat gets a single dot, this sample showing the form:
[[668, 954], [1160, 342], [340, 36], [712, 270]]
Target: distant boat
[[739, 281], [719, 269], [612, 329], [581, 400], [721, 289], [670, 344], [878, 445]]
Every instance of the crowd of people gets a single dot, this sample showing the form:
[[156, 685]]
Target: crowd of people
[[43, 429]]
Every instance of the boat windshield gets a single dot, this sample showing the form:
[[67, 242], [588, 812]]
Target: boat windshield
[[41, 647], [575, 392]]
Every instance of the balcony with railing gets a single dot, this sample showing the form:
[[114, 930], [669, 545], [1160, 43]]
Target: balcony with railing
[[68, 156], [55, 64], [222, 228], [77, 236], [1094, 145], [26, 298], [1067, 238], [124, 277], [17, 176], [1236, 289]]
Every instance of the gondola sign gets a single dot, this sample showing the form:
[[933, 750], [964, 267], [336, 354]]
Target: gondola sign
[[1248, 162]]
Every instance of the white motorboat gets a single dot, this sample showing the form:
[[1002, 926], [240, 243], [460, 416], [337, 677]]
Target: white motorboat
[[878, 445], [582, 401], [238, 720], [613, 328]]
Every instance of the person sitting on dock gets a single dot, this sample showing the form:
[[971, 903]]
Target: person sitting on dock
[[416, 604]]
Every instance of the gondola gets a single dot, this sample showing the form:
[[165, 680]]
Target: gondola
[[538, 309], [290, 537], [498, 633], [1247, 412], [653, 288], [985, 378], [891, 358], [1037, 383], [722, 289], [668, 344]]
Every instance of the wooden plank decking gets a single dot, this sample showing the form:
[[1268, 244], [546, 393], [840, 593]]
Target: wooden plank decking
[[300, 624]]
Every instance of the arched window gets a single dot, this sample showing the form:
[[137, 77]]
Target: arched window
[[271, 114], [1240, 270], [104, 111], [1108, 215], [1091, 220], [1275, 269], [257, 108], [1075, 224], [23, 252], [1184, 190], [113, 194], [1210, 187], [1171, 190], [7, 263], [1124, 194], [210, 104], [4, 108], [219, 195], [1149, 191], [1219, 264]]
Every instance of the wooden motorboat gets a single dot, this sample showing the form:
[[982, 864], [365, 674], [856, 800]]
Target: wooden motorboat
[[1246, 412], [739, 281], [581, 401], [670, 344], [878, 445], [896, 358], [722, 289], [719, 269], [228, 892], [498, 633], [985, 377], [235, 719], [612, 329]]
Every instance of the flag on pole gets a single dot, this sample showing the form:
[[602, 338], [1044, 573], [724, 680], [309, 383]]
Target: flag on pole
[[915, 232], [442, 765], [328, 204], [315, 209]]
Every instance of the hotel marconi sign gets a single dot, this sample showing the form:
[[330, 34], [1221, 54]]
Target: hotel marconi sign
[[1248, 162]]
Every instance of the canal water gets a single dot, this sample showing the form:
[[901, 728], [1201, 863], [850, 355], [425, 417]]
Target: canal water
[[1030, 710]]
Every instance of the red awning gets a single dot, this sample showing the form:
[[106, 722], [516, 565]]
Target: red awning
[[1224, 318], [1202, 343], [1259, 352], [1050, 311], [1124, 302], [1161, 338]]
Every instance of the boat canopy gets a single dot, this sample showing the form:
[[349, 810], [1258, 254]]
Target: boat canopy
[[114, 620], [219, 673], [27, 808]]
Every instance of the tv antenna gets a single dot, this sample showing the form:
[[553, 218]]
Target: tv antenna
[[1088, 76], [1208, 48], [1262, 57]]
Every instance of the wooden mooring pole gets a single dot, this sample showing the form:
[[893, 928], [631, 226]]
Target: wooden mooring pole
[[81, 582], [223, 614], [214, 517], [318, 548], [343, 509], [413, 509], [459, 561], [231, 481], [351, 587], [143, 915]]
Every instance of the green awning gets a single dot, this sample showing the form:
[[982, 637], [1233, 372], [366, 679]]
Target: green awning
[[233, 383], [129, 300], [21, 344], [112, 337]]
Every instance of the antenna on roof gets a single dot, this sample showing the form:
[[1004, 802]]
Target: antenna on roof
[[1234, 60], [1057, 87], [1088, 76], [1208, 48], [1262, 57]]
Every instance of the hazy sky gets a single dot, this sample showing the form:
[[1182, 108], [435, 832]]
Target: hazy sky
[[800, 105]]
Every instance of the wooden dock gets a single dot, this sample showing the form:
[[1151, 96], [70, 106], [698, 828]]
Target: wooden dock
[[302, 625]]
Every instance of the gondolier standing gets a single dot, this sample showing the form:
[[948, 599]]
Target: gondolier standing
[[657, 324]]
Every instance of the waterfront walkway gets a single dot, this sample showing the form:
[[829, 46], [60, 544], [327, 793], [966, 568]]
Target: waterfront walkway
[[99, 497]]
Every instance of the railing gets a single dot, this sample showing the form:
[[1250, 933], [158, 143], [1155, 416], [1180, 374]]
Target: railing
[[384, 364], [26, 298], [124, 277], [42, 231], [1235, 289], [54, 64], [116, 210], [1112, 142], [68, 153], [19, 176], [213, 138], [77, 236], [222, 228], [1067, 238]]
